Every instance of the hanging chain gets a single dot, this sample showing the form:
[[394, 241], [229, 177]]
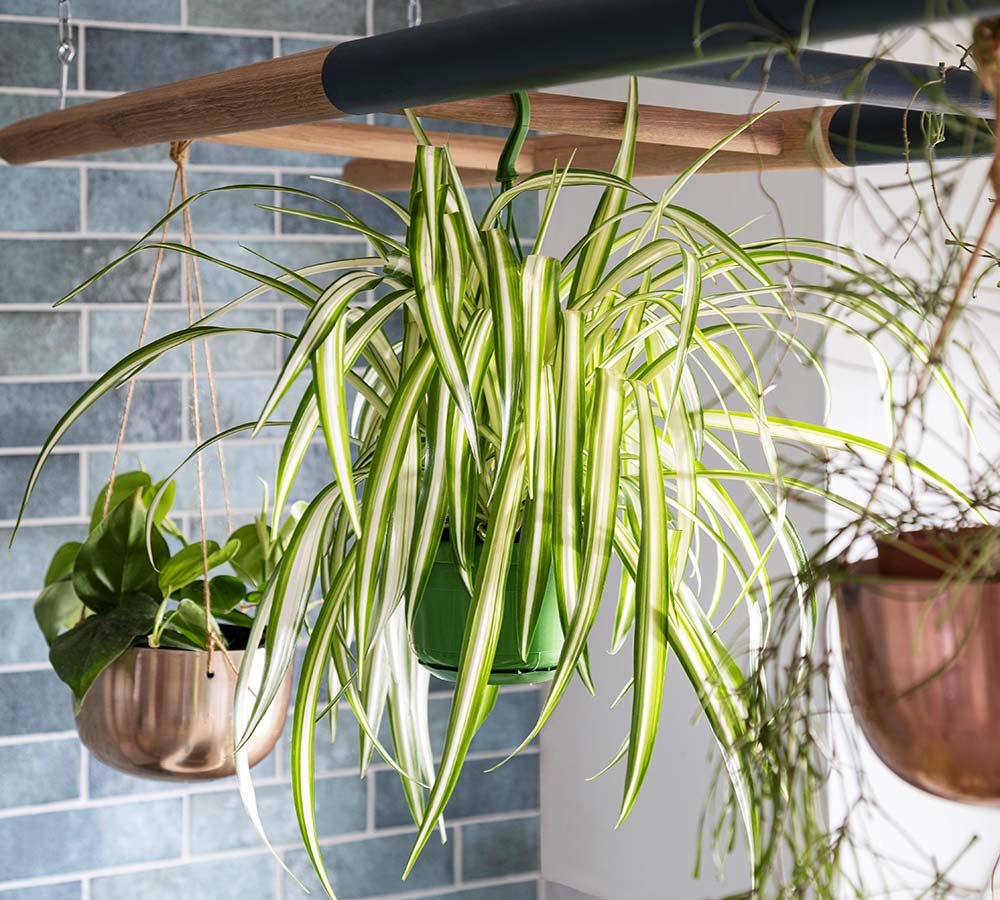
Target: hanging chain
[[414, 13], [66, 51]]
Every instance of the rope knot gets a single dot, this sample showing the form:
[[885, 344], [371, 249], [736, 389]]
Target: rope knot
[[179, 152]]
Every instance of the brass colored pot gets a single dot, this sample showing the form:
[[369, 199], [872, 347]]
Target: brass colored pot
[[156, 714], [923, 675]]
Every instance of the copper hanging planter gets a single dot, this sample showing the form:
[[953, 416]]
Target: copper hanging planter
[[155, 714], [922, 662]]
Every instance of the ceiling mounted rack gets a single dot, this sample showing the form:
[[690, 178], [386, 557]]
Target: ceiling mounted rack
[[296, 102]]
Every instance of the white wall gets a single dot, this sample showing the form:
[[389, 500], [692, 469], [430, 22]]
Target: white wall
[[652, 856]]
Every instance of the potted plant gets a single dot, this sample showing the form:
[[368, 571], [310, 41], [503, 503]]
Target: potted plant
[[132, 625], [918, 631], [544, 413]]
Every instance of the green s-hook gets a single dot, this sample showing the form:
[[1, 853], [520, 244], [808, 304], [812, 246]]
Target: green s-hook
[[507, 164]]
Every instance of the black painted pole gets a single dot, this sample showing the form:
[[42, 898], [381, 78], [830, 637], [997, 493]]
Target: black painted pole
[[539, 43], [837, 76]]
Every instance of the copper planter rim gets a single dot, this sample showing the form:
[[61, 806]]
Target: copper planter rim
[[922, 667], [154, 713]]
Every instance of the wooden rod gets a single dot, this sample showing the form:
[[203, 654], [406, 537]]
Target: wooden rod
[[392, 177], [606, 118], [807, 146], [281, 91], [377, 142]]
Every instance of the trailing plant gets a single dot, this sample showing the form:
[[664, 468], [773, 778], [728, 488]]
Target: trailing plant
[[608, 403], [124, 586]]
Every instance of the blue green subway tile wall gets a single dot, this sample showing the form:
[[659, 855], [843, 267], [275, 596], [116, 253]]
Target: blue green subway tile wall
[[121, 60], [69, 826]]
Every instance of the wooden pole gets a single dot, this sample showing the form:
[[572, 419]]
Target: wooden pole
[[275, 92], [394, 177], [377, 142], [807, 146], [606, 119]]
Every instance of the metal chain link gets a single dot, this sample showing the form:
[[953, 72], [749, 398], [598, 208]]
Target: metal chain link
[[66, 51], [414, 13]]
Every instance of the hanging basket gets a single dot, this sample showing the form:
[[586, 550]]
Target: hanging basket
[[923, 676], [438, 627], [156, 714]]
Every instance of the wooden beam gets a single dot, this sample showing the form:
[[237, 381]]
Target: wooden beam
[[377, 142], [807, 146], [606, 118], [392, 177], [281, 91]]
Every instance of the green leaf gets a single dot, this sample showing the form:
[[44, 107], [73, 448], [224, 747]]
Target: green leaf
[[57, 607], [189, 620], [427, 263], [125, 485], [507, 308], [652, 594], [536, 534], [81, 654], [329, 371], [225, 592], [249, 559], [540, 295], [192, 562], [567, 512], [62, 562], [113, 562]]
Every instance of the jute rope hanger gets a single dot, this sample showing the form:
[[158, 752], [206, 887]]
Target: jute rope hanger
[[191, 289]]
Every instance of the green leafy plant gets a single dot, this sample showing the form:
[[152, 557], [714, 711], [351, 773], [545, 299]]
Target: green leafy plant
[[604, 404], [123, 587]]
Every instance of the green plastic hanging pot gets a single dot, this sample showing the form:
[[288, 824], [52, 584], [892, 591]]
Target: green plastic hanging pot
[[439, 626]]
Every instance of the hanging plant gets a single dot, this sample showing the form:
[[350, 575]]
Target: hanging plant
[[918, 629], [538, 416], [130, 621]]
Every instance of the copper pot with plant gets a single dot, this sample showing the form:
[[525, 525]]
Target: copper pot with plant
[[919, 631]]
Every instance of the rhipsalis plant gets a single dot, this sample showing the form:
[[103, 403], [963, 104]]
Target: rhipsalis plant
[[604, 404]]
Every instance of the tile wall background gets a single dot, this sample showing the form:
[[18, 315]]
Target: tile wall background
[[71, 829]]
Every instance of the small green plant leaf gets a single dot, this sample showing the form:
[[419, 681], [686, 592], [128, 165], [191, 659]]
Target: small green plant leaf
[[191, 562], [57, 607], [652, 594], [82, 653], [225, 592], [125, 484], [62, 562], [113, 563]]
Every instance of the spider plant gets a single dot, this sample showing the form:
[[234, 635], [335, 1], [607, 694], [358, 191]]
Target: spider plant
[[589, 406]]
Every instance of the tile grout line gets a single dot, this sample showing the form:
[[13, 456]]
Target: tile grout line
[[84, 774], [81, 56], [457, 856], [178, 28], [83, 200]]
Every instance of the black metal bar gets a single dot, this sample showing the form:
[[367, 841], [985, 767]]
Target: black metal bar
[[868, 135], [545, 42], [837, 76]]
